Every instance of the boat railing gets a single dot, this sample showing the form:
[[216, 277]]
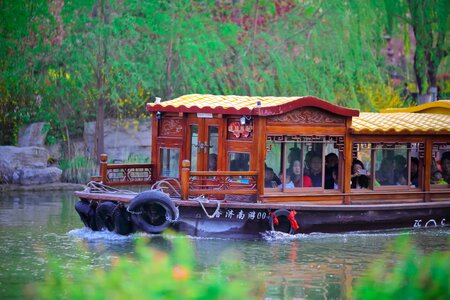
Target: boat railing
[[123, 174], [222, 185]]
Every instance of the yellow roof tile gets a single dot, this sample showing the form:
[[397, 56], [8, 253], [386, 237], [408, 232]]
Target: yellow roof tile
[[436, 107], [232, 104], [401, 122]]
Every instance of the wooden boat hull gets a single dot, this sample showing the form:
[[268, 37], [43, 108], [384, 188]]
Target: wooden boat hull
[[251, 220]]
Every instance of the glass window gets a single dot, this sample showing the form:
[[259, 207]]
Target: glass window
[[169, 162], [361, 174], [239, 161], [273, 166], [393, 165], [194, 147], [213, 138], [301, 162], [440, 165], [331, 167]]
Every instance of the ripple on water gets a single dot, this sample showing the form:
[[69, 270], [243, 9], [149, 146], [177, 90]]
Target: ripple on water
[[88, 234]]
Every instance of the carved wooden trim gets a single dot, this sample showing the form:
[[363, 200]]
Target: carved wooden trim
[[171, 127], [308, 115]]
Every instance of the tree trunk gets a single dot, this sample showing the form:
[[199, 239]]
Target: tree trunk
[[99, 128]]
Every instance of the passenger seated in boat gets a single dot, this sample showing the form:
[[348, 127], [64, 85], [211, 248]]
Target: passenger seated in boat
[[414, 171], [402, 178], [296, 177], [436, 178], [445, 166], [332, 183], [308, 157], [331, 163], [294, 154], [399, 167], [385, 174], [316, 170], [359, 178], [271, 180]]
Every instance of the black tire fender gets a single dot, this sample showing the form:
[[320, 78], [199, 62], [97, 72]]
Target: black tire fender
[[152, 211], [106, 211], [284, 225], [115, 218], [88, 214]]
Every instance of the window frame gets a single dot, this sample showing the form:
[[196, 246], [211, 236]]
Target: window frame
[[286, 139]]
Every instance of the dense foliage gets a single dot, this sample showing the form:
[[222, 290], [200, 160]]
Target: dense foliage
[[408, 274], [67, 62], [150, 275]]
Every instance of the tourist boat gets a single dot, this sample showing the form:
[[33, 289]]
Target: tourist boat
[[237, 166]]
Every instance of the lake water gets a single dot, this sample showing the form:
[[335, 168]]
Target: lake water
[[36, 225]]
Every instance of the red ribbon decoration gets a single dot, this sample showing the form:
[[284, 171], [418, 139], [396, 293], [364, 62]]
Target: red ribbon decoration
[[274, 218], [291, 219]]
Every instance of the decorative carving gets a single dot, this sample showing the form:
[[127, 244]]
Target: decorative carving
[[171, 127], [239, 130], [236, 131], [308, 115]]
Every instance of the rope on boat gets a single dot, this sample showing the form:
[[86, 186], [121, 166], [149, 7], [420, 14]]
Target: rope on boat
[[158, 186], [202, 200], [99, 187]]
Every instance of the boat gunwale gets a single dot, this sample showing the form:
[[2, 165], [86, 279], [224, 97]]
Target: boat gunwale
[[127, 198]]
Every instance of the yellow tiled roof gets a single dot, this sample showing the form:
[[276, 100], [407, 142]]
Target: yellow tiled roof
[[436, 107], [238, 102], [249, 105], [401, 122]]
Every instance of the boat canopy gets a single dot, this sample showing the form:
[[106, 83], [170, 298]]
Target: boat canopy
[[245, 105]]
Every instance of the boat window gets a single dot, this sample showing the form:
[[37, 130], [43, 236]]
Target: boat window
[[169, 162], [213, 138], [391, 165], [381, 164], [239, 161], [440, 166], [273, 167], [361, 171], [194, 147], [301, 162]]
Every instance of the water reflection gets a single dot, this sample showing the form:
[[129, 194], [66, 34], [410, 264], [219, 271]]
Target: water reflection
[[37, 226]]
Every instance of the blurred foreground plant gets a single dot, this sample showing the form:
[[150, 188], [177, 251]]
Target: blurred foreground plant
[[406, 273], [150, 275]]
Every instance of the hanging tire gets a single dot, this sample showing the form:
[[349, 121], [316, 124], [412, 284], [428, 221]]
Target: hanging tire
[[106, 212], [88, 215], [152, 211], [115, 218], [284, 225]]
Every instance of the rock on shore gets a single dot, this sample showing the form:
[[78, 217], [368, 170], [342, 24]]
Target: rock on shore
[[26, 166]]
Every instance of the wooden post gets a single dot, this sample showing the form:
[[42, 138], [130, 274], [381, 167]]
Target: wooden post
[[104, 167], [185, 174], [426, 169]]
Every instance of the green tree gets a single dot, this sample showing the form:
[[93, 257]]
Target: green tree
[[430, 23]]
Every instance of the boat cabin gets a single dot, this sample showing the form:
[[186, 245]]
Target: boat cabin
[[299, 149]]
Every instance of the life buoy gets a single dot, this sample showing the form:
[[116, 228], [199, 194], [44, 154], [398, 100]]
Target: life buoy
[[115, 218], [282, 220], [88, 214], [152, 211]]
